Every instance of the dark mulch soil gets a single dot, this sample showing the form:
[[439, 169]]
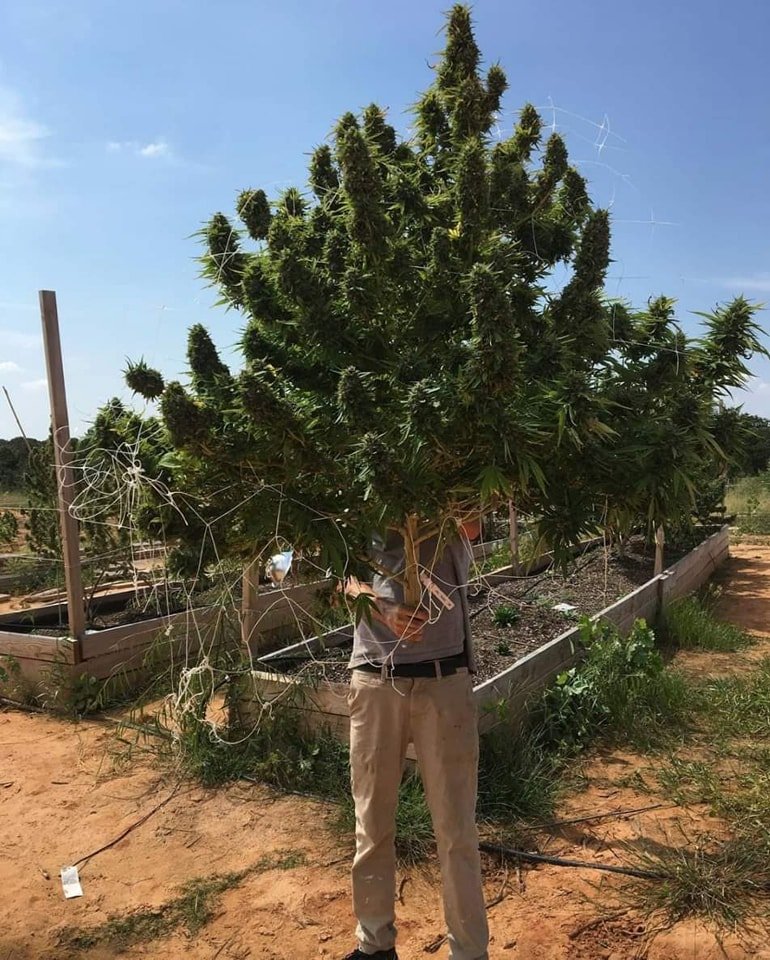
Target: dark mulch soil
[[592, 582]]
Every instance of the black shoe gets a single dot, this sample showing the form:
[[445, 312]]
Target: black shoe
[[380, 955]]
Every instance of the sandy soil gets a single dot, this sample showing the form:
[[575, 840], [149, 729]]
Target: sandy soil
[[64, 794]]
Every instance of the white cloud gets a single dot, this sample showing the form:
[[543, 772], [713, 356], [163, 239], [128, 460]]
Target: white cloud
[[21, 137], [33, 386], [748, 283], [9, 366], [15, 339], [154, 150], [158, 149]]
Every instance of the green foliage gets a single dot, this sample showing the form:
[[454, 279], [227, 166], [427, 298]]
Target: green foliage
[[742, 703], [753, 457], [406, 355], [9, 527], [748, 498], [690, 624], [725, 883], [143, 379], [192, 908], [622, 690], [43, 536], [519, 775], [14, 459], [505, 615]]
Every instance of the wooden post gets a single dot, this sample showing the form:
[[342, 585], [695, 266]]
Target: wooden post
[[412, 585], [65, 478], [249, 591], [513, 532], [660, 540]]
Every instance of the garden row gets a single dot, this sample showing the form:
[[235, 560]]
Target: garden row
[[517, 658]]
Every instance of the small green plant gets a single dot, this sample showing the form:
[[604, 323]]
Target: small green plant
[[9, 528], [505, 615], [501, 557], [690, 624], [621, 690], [503, 648], [86, 695], [15, 686]]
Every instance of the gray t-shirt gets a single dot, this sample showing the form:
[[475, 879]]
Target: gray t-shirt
[[447, 632]]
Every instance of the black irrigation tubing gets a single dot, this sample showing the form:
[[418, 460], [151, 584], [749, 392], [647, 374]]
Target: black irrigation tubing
[[18, 705], [509, 854]]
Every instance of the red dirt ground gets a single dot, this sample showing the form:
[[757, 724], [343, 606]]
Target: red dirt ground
[[65, 793]]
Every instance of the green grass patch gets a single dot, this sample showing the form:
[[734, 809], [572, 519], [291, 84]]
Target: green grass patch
[[622, 692], [739, 706], [192, 908], [749, 495], [690, 624], [727, 883]]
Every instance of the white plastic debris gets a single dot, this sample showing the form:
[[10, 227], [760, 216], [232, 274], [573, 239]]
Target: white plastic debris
[[278, 566], [70, 882], [564, 607]]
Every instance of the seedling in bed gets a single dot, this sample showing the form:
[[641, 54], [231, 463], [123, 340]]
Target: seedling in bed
[[503, 648], [506, 615]]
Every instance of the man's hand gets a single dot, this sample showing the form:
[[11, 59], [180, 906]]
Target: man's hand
[[406, 623]]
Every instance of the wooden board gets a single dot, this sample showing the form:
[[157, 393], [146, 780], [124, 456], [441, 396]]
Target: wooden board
[[278, 609], [481, 551], [35, 647]]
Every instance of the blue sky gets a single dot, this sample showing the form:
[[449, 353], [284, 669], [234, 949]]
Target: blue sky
[[123, 126]]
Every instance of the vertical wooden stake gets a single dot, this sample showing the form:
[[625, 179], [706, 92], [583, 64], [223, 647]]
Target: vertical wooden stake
[[249, 591], [513, 523], [412, 586], [65, 478], [660, 540]]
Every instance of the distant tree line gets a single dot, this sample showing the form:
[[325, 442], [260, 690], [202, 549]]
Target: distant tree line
[[14, 462], [754, 455]]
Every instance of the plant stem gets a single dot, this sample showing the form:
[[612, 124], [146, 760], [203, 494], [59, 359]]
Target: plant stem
[[513, 520], [660, 540], [412, 588]]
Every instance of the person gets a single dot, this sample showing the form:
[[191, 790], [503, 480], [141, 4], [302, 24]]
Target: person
[[411, 682]]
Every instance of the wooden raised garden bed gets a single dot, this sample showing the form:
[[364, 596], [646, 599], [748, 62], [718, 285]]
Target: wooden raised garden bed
[[30, 637], [529, 655], [36, 636]]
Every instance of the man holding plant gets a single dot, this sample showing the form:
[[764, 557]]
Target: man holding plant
[[411, 682]]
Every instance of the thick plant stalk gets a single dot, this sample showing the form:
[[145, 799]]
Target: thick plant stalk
[[412, 586], [513, 521], [621, 545], [249, 592], [660, 540]]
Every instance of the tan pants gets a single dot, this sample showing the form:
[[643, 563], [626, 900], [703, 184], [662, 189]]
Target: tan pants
[[439, 716]]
